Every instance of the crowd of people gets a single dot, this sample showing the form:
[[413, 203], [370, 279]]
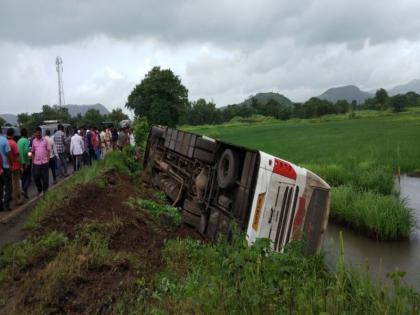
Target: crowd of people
[[34, 157]]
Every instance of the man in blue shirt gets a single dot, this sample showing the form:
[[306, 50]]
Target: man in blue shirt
[[6, 177]]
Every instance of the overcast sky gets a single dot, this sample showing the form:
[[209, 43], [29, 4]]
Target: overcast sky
[[223, 50]]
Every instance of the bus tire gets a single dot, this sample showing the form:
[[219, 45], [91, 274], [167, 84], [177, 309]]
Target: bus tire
[[227, 169]]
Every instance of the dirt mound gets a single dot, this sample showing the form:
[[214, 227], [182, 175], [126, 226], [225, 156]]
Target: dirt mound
[[134, 232], [92, 202]]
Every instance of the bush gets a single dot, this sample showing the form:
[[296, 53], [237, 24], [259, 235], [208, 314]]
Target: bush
[[384, 217], [141, 130], [166, 214], [234, 278]]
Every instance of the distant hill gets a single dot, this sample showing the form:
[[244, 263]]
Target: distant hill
[[264, 98], [348, 93], [10, 118], [82, 109], [412, 86]]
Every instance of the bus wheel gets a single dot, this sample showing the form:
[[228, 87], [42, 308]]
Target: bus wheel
[[227, 169]]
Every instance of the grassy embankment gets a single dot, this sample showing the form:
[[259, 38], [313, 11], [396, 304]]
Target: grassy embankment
[[103, 243], [358, 157]]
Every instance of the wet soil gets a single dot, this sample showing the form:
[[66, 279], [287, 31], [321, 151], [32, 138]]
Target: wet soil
[[138, 234]]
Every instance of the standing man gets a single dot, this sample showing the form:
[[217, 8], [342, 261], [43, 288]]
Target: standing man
[[91, 139], [40, 160], [102, 136], [6, 182], [85, 154], [59, 138], [131, 137], [114, 138], [25, 162], [97, 145], [16, 168], [53, 155], [76, 150]]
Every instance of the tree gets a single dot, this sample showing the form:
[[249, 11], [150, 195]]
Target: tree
[[203, 113], [381, 97], [398, 103], [2, 121], [342, 106], [160, 97], [92, 117], [413, 99], [117, 115], [230, 111], [316, 107]]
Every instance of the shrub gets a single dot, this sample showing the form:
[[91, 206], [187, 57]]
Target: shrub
[[234, 278], [384, 217], [141, 130], [166, 214]]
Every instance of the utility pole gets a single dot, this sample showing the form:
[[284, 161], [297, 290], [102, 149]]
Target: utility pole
[[59, 63]]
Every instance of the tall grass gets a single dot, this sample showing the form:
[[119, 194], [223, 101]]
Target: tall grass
[[384, 217], [237, 279]]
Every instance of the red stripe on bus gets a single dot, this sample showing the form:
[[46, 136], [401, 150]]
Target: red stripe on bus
[[283, 168]]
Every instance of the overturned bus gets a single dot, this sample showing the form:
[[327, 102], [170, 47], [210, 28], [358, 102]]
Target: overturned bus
[[218, 183]]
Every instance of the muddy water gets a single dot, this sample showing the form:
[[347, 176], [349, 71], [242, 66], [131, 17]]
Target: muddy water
[[382, 257]]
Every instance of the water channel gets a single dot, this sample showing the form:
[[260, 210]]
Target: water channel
[[382, 257]]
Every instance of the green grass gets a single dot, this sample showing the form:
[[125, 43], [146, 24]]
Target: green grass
[[16, 257], [363, 152], [167, 215], [237, 279], [383, 217]]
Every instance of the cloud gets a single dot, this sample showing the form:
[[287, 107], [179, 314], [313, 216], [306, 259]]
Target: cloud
[[222, 50], [233, 22]]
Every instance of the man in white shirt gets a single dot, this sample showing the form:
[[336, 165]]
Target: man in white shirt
[[53, 154], [76, 150]]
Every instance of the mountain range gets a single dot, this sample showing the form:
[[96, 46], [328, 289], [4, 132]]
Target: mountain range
[[264, 98], [352, 92], [346, 92], [412, 86], [82, 109]]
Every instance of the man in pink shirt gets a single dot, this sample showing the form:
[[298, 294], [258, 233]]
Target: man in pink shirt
[[40, 160]]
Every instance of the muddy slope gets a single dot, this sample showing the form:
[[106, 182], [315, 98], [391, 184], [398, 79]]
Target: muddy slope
[[92, 279]]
